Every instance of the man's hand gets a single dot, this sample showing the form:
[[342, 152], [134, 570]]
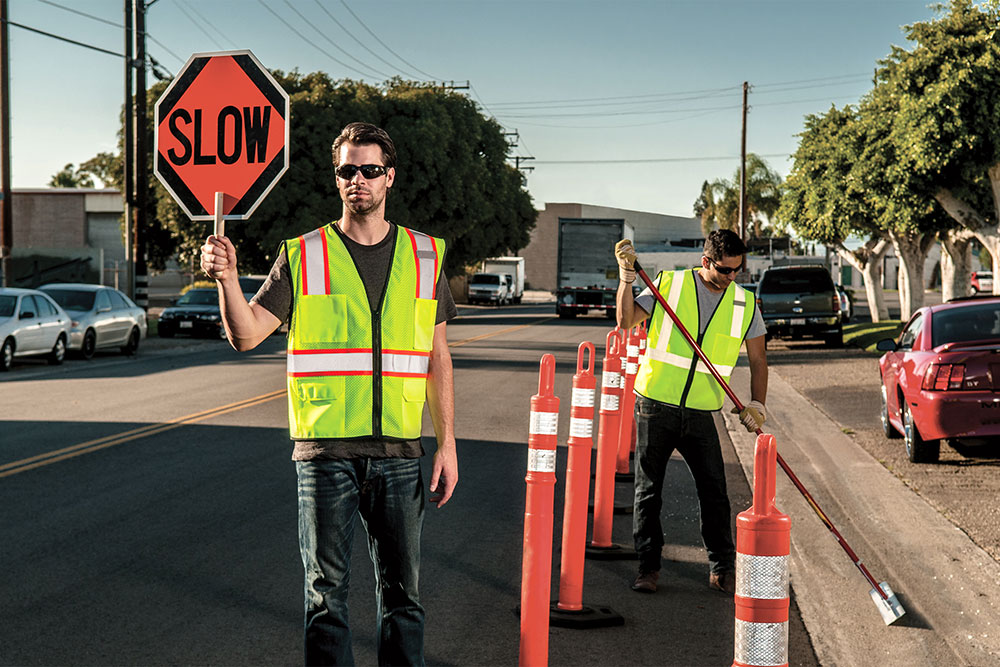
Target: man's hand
[[218, 258], [752, 416], [445, 474], [625, 254]]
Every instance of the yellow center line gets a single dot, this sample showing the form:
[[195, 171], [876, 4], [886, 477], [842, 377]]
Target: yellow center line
[[40, 460], [502, 331]]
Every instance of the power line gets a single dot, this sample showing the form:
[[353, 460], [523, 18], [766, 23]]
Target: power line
[[165, 48], [64, 39], [200, 27], [386, 46], [360, 43], [713, 91], [79, 13], [332, 43], [659, 160], [313, 44], [205, 21]]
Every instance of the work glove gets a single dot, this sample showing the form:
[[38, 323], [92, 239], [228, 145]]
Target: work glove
[[625, 254], [752, 415]]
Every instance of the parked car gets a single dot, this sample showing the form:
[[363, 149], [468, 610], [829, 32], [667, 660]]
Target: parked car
[[102, 317], [940, 378], [846, 304], [195, 313], [799, 301], [490, 288], [251, 284], [31, 324], [982, 281]]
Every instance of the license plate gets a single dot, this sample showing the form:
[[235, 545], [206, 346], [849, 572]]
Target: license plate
[[798, 321], [185, 325]]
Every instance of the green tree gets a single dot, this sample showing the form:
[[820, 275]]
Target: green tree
[[71, 178], [718, 203]]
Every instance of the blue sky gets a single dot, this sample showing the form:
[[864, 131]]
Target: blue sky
[[619, 102]]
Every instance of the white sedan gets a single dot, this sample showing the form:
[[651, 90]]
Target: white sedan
[[102, 316], [31, 324]]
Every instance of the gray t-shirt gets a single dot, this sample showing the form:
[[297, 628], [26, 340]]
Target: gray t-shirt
[[708, 301], [373, 263]]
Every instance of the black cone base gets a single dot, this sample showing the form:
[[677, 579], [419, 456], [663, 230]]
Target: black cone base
[[613, 552], [589, 617]]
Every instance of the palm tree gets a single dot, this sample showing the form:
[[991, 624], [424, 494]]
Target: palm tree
[[718, 204]]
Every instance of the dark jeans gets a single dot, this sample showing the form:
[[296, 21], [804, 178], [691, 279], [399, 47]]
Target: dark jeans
[[663, 428], [389, 496]]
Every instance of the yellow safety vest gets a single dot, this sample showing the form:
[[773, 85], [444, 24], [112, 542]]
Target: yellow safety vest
[[670, 371], [353, 373]]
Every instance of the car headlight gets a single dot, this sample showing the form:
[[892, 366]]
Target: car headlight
[[211, 317]]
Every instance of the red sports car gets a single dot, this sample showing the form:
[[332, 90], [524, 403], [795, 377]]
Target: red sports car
[[941, 379]]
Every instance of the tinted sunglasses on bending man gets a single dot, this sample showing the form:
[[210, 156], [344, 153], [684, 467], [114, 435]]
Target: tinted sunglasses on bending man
[[369, 171], [724, 270]]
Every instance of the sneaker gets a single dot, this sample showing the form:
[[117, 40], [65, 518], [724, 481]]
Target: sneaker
[[723, 581], [645, 582]]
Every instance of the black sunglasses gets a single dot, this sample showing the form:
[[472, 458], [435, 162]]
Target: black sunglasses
[[724, 270], [369, 171]]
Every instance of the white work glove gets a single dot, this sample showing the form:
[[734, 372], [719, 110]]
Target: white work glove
[[752, 415], [625, 254]]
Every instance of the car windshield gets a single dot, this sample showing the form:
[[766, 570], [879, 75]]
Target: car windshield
[[199, 297], [72, 299], [971, 322], [7, 304], [795, 282], [485, 279]]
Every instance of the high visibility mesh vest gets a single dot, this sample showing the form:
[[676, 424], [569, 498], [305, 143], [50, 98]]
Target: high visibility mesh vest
[[351, 372], [670, 371]]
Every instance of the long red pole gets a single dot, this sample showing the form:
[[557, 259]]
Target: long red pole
[[739, 405]]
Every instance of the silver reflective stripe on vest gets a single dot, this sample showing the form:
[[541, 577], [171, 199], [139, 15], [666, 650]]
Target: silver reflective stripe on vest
[[329, 362], [314, 262], [685, 362], [667, 324], [402, 363], [423, 249], [739, 305]]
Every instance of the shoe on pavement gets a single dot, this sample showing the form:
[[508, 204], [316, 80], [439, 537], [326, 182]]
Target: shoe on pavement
[[723, 581], [645, 582]]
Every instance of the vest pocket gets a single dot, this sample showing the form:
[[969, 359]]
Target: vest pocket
[[321, 318], [414, 395], [424, 316], [722, 349], [321, 411]]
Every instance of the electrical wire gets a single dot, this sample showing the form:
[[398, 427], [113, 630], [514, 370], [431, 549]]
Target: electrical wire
[[659, 160], [79, 13], [64, 39], [332, 43], [205, 21], [200, 27], [165, 48], [386, 46]]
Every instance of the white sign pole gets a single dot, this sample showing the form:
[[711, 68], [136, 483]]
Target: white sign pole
[[220, 223]]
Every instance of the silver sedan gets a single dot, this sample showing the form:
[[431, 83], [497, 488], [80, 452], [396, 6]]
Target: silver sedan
[[102, 317], [31, 324]]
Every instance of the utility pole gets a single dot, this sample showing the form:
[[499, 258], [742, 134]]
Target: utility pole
[[6, 204], [140, 162], [743, 169], [128, 157]]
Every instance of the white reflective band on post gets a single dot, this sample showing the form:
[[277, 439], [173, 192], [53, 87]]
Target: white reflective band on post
[[314, 267], [544, 423], [412, 364], [738, 307], [581, 428], [632, 351], [541, 460], [632, 368], [426, 264], [611, 379], [609, 402], [761, 577], [761, 644], [685, 362], [330, 362], [582, 398]]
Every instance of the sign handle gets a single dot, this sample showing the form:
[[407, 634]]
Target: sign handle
[[220, 223]]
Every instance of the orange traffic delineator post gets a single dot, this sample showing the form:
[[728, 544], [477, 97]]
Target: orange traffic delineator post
[[601, 546], [763, 543], [627, 426], [536, 560], [569, 611]]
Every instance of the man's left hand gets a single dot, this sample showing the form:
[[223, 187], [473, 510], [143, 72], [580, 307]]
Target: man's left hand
[[752, 416], [445, 474]]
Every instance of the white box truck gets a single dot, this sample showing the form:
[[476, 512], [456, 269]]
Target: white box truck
[[513, 267], [587, 271]]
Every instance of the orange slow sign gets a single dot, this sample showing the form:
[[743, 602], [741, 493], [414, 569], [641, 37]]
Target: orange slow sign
[[221, 126]]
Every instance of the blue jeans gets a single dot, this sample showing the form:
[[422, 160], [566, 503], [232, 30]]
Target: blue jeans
[[389, 496], [661, 429]]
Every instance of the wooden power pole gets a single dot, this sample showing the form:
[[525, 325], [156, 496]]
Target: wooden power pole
[[6, 204], [743, 169]]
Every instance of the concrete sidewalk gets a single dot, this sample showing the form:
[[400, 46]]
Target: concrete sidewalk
[[949, 586]]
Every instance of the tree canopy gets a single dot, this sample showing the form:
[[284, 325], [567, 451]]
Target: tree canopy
[[718, 203], [68, 177]]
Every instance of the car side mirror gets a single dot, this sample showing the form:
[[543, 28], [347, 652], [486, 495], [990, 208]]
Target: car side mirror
[[886, 345], [27, 315], [173, 302]]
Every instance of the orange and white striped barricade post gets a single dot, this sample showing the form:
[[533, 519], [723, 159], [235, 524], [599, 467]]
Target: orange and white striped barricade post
[[627, 427], [601, 546], [569, 611], [536, 563], [763, 542]]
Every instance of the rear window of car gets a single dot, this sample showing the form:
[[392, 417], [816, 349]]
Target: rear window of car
[[198, 297], [72, 299], [801, 281], [970, 322]]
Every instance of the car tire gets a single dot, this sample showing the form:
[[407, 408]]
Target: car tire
[[918, 450], [566, 313], [7, 355], [834, 339], [164, 332], [58, 352], [132, 345], [887, 428], [89, 344]]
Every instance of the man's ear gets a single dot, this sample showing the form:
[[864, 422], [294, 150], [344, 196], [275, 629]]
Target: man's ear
[[390, 177]]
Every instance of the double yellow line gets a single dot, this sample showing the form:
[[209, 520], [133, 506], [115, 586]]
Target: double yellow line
[[45, 459]]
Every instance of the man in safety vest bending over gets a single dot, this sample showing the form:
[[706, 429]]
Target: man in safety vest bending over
[[367, 307], [676, 394]]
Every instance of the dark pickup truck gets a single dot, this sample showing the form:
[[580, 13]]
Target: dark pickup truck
[[800, 301]]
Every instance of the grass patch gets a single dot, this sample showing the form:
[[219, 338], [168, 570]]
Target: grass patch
[[866, 334]]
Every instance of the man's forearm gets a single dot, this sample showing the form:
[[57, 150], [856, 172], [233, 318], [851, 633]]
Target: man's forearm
[[243, 326], [624, 304], [441, 392]]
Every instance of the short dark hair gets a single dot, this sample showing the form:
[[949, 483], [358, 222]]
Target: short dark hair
[[361, 134], [723, 243]]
